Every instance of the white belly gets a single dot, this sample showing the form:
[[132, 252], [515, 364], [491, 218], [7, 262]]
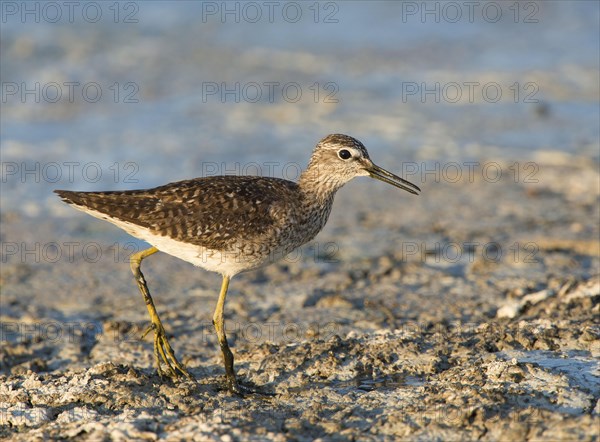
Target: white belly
[[225, 263]]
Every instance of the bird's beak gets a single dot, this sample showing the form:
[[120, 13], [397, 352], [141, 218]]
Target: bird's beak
[[388, 177]]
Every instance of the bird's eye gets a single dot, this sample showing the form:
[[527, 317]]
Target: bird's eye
[[344, 154]]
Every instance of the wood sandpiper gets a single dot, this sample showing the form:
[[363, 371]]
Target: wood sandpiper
[[231, 224]]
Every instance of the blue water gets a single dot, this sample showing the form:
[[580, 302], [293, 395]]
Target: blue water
[[368, 52]]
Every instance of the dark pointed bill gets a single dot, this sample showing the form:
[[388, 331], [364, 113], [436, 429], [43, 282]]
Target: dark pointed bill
[[387, 177]]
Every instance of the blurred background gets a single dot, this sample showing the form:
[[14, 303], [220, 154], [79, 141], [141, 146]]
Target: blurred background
[[137, 94], [491, 108]]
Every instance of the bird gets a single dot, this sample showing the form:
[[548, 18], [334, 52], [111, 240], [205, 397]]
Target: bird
[[230, 224]]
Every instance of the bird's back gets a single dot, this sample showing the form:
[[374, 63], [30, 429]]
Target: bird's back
[[247, 215]]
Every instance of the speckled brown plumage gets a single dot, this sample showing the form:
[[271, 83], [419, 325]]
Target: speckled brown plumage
[[211, 212]]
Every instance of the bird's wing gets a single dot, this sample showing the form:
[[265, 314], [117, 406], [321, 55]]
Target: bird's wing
[[211, 212]]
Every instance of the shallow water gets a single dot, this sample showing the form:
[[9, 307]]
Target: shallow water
[[438, 82]]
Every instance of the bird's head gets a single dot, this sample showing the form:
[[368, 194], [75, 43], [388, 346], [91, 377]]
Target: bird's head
[[338, 158]]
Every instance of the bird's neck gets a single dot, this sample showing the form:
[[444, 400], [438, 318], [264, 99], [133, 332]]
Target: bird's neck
[[316, 183]]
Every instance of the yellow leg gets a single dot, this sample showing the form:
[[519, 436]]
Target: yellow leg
[[219, 324], [162, 348]]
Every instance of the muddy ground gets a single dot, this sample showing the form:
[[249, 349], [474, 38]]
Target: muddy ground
[[407, 319]]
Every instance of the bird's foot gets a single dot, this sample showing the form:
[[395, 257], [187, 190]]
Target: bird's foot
[[163, 351], [233, 386]]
